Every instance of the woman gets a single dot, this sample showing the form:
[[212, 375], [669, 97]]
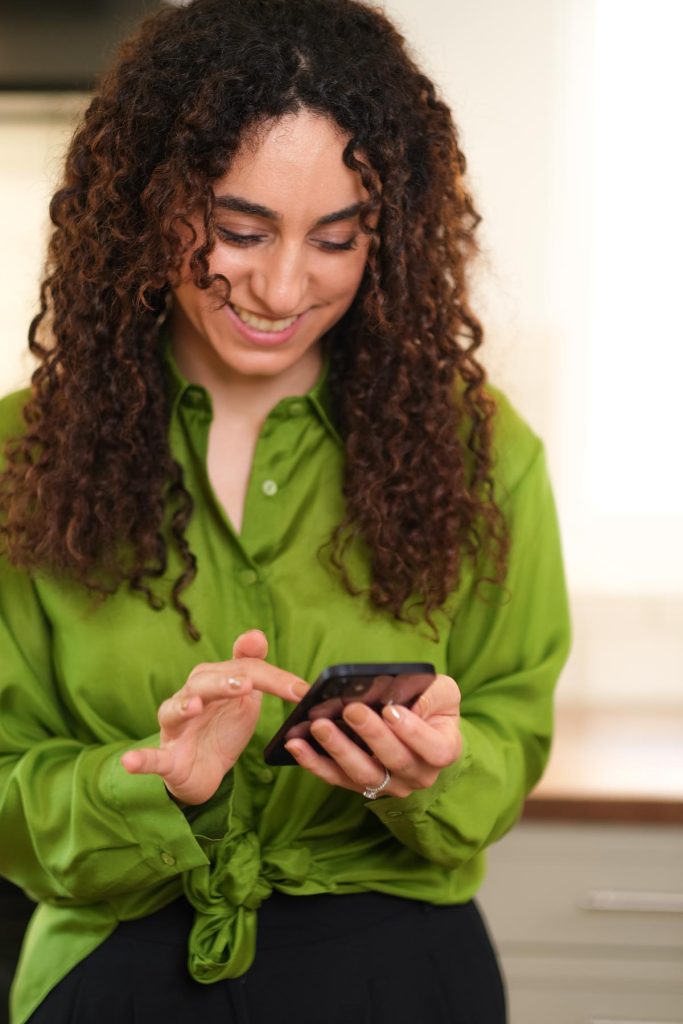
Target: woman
[[258, 443]]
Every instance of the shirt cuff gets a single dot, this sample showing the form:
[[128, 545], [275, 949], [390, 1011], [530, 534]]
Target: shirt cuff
[[151, 819]]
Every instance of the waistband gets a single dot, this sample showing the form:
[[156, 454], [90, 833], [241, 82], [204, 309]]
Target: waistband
[[285, 919]]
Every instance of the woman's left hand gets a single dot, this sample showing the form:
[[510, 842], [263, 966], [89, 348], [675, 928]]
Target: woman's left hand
[[414, 745]]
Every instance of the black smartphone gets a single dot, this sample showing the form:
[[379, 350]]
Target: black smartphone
[[373, 684]]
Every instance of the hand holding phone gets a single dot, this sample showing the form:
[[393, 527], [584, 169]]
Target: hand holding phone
[[374, 684]]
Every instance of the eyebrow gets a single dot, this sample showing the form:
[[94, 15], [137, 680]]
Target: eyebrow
[[240, 205]]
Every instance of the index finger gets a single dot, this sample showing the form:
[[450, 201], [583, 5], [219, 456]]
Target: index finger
[[442, 697], [263, 676], [437, 742]]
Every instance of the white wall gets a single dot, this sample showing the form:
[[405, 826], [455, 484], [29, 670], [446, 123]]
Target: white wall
[[34, 132], [529, 84], [569, 120]]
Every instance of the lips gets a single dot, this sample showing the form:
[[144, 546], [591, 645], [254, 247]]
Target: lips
[[263, 323], [269, 335]]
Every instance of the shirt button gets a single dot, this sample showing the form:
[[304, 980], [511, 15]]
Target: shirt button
[[394, 814], [269, 488], [248, 576], [195, 397], [168, 858], [297, 408], [265, 775]]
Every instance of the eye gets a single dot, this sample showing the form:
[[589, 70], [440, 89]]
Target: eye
[[338, 246], [235, 239], [245, 240]]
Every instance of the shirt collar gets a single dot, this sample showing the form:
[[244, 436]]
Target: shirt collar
[[318, 396], [176, 382]]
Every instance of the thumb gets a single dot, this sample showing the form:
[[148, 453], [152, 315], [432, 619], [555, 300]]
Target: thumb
[[252, 644]]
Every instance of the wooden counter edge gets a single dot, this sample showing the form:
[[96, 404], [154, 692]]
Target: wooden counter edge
[[627, 811]]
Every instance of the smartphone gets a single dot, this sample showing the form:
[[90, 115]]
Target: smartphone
[[373, 684]]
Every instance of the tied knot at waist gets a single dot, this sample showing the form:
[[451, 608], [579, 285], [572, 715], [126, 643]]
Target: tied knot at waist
[[226, 895]]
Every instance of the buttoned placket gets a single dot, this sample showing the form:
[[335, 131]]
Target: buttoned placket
[[272, 467]]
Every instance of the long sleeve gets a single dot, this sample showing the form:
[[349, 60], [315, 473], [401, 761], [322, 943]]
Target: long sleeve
[[75, 826], [95, 845], [506, 655]]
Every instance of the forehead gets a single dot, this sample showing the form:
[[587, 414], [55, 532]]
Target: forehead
[[294, 166]]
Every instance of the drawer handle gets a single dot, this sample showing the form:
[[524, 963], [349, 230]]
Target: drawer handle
[[633, 902]]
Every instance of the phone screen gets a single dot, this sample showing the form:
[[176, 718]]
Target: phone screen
[[376, 685]]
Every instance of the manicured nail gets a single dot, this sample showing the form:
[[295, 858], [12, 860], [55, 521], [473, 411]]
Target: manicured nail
[[234, 683], [392, 710], [356, 714]]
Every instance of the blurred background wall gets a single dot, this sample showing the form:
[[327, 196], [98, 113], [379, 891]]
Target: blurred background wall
[[568, 114]]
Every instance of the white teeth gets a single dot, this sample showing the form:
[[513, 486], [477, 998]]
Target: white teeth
[[263, 325]]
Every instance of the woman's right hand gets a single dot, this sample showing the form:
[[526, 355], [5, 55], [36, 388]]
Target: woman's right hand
[[206, 725]]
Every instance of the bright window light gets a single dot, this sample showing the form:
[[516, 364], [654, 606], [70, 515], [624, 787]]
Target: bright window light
[[635, 399]]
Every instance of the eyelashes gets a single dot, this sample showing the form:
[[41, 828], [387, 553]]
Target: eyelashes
[[339, 246], [247, 240]]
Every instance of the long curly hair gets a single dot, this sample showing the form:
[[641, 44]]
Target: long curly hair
[[90, 489]]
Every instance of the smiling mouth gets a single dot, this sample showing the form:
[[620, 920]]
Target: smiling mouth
[[263, 323]]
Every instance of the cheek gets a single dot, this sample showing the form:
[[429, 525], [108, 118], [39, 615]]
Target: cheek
[[344, 282], [232, 264], [184, 296]]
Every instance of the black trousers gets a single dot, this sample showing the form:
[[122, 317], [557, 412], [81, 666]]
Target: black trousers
[[362, 958]]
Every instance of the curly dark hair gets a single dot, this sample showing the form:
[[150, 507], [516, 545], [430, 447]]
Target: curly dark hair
[[91, 489]]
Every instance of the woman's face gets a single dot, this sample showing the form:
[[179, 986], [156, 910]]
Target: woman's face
[[289, 241]]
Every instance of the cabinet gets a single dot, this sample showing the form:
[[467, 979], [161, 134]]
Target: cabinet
[[588, 921]]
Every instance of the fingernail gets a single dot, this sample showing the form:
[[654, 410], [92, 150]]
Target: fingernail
[[321, 731], [184, 705], [294, 750], [234, 683], [356, 714], [393, 711], [300, 689]]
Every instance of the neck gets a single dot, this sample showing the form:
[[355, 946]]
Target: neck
[[246, 397]]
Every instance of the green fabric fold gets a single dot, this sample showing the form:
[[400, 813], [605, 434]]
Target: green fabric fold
[[226, 895], [81, 683]]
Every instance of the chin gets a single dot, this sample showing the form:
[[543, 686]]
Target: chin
[[262, 361]]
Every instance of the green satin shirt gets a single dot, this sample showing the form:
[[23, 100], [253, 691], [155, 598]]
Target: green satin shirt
[[78, 686]]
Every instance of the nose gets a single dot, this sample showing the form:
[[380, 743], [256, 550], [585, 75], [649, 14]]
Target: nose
[[280, 281]]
